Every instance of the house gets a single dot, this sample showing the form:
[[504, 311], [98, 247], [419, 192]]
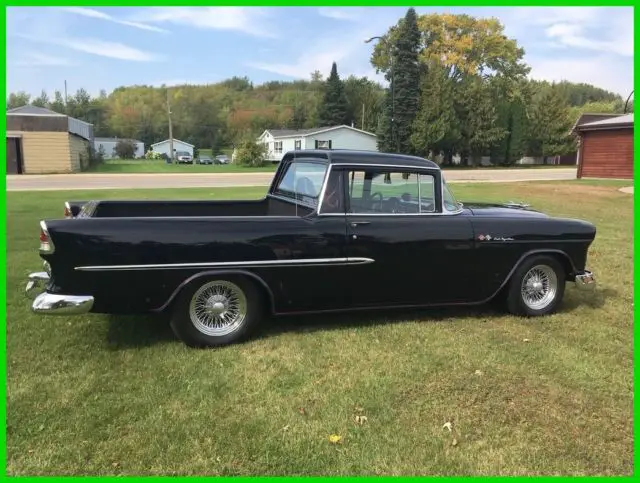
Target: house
[[163, 147], [42, 141], [279, 141], [108, 146], [605, 146]]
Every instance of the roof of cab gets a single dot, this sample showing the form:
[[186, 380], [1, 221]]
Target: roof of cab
[[355, 157]]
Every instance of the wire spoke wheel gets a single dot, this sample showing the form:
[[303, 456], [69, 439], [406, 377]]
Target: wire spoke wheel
[[218, 308], [539, 287]]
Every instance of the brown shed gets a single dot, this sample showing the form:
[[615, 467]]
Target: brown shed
[[42, 141], [605, 146]]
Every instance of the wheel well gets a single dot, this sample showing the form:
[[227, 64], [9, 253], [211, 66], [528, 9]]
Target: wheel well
[[561, 257], [260, 285]]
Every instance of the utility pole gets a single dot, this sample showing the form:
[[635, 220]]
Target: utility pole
[[170, 127], [65, 96], [363, 117]]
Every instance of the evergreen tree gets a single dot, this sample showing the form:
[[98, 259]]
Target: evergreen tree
[[333, 110], [551, 123], [406, 79], [435, 129]]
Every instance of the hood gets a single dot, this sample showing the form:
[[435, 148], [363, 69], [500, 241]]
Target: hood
[[506, 209]]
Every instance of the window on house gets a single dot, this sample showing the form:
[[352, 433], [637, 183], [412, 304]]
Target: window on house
[[298, 144], [277, 146], [389, 192], [323, 144]]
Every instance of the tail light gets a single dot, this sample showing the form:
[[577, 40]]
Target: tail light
[[46, 244]]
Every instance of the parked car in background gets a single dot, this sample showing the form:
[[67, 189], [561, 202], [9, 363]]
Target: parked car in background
[[183, 157], [337, 231], [222, 159], [204, 160]]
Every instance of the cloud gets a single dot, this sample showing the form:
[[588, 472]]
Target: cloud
[[248, 20], [113, 50], [97, 14], [341, 13], [35, 59], [602, 71]]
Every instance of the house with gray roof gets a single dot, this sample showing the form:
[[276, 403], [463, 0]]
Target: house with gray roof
[[280, 141], [107, 146]]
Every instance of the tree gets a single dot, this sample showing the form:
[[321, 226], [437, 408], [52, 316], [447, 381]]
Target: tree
[[333, 109], [42, 100], [125, 149], [406, 81], [435, 129], [551, 125], [18, 99]]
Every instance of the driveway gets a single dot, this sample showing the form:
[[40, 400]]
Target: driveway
[[89, 181]]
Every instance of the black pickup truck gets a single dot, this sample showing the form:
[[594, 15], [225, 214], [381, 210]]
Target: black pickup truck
[[337, 230]]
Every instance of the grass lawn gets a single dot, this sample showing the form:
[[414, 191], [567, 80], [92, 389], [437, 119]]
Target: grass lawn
[[120, 396], [160, 166]]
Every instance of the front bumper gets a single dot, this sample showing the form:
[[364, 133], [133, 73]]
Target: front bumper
[[54, 304], [585, 280]]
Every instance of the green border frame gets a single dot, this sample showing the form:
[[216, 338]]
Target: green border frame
[[308, 3]]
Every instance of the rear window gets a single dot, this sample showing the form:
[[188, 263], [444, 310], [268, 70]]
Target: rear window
[[302, 181]]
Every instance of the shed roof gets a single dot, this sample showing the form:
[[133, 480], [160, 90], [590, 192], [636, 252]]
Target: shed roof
[[604, 121], [30, 110], [174, 140], [114, 140]]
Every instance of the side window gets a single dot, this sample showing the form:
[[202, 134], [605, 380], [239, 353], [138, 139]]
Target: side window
[[388, 192], [302, 181], [333, 200]]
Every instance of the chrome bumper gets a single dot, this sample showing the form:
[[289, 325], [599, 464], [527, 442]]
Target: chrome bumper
[[585, 280], [54, 304]]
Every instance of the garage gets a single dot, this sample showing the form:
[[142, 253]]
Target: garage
[[605, 147], [41, 141]]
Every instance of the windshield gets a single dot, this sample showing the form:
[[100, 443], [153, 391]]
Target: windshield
[[450, 203]]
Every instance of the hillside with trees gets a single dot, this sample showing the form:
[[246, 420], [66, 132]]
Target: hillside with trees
[[457, 86]]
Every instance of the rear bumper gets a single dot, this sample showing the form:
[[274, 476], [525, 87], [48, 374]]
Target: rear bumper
[[54, 304], [585, 280]]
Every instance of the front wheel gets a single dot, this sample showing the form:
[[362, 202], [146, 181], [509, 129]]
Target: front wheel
[[216, 312], [537, 287]]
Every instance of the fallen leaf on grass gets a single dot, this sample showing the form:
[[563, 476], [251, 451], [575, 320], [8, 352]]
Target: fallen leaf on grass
[[525, 340], [115, 464], [479, 372], [360, 419], [454, 442], [447, 425], [302, 411], [335, 439]]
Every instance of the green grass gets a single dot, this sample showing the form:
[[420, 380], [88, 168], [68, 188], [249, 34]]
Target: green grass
[[159, 166], [120, 396]]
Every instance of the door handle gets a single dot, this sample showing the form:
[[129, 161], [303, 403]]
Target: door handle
[[354, 224]]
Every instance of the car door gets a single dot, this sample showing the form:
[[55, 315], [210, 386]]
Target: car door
[[419, 254]]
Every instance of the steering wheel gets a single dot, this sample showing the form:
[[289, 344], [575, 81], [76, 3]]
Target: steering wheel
[[378, 195]]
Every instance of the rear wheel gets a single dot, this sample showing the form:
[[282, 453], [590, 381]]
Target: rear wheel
[[216, 312], [537, 287]]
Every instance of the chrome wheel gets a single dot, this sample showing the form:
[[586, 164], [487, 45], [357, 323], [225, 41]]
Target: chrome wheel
[[539, 287], [218, 308]]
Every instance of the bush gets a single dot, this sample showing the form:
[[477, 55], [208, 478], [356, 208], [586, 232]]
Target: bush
[[252, 154], [125, 149], [152, 155]]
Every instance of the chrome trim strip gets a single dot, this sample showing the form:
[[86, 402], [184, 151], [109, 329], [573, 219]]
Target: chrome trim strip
[[258, 263]]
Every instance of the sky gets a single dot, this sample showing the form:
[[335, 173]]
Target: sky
[[108, 47]]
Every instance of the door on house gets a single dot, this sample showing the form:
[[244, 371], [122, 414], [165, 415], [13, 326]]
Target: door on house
[[14, 156]]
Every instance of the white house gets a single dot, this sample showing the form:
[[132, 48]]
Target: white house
[[108, 147], [279, 141], [163, 147]]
